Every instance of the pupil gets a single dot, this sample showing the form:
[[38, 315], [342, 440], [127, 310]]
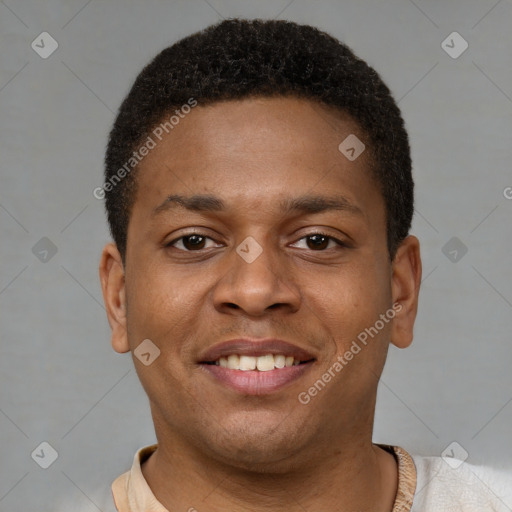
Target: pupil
[[319, 238], [194, 241]]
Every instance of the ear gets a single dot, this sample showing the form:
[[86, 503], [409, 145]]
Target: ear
[[405, 287], [114, 295]]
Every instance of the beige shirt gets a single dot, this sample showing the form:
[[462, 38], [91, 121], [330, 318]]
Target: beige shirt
[[132, 493]]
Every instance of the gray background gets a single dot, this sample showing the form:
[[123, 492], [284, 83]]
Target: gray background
[[60, 380]]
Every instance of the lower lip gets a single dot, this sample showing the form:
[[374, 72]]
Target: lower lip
[[254, 382]]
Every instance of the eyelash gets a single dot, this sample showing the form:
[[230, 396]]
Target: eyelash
[[316, 233]]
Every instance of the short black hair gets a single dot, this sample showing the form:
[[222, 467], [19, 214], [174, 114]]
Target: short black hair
[[237, 59]]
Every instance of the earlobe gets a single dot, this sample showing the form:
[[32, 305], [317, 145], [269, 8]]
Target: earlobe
[[112, 279], [405, 286]]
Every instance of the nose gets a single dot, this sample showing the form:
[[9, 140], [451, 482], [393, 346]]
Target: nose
[[258, 285]]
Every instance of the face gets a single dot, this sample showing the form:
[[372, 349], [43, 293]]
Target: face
[[254, 240]]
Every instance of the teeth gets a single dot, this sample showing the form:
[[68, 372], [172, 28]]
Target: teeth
[[279, 361], [262, 363], [233, 362], [265, 363], [247, 363]]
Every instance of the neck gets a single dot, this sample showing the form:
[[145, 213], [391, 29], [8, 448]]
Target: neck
[[355, 476]]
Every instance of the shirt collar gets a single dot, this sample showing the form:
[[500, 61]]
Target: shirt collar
[[132, 493], [406, 478]]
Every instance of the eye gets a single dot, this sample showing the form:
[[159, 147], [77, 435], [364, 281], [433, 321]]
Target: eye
[[192, 242], [320, 242]]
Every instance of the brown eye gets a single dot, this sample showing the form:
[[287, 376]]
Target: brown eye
[[318, 241], [192, 242]]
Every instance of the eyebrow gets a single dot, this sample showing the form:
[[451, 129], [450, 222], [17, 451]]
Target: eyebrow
[[302, 204]]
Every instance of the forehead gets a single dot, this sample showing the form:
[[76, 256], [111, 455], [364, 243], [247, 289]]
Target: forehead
[[253, 151], [268, 126]]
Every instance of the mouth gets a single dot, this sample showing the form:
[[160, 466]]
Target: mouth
[[256, 367], [265, 363]]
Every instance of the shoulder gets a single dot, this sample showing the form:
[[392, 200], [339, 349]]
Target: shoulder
[[454, 485]]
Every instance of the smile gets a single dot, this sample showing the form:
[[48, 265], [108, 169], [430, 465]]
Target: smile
[[264, 363], [255, 366]]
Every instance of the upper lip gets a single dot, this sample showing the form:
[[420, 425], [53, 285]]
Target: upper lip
[[255, 348]]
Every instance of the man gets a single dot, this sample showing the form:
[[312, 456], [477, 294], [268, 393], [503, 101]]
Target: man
[[259, 193]]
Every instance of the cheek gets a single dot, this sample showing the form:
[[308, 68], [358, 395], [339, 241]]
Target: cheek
[[164, 308], [161, 306], [352, 302]]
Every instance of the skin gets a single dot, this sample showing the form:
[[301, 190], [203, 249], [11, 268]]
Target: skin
[[217, 449]]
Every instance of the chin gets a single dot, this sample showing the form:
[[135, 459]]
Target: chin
[[264, 460], [258, 446]]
